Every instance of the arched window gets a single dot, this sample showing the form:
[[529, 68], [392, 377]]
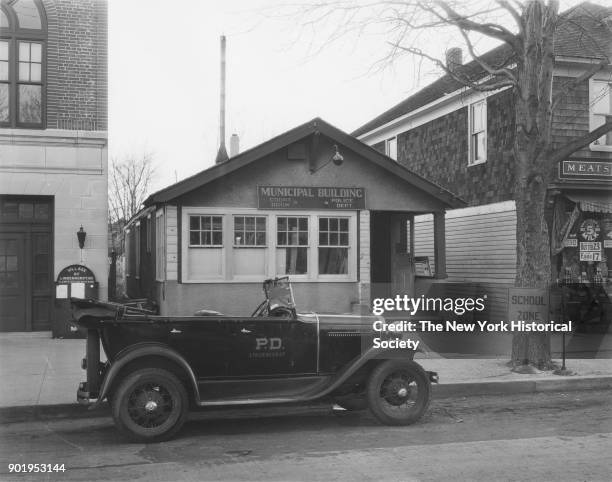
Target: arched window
[[23, 35]]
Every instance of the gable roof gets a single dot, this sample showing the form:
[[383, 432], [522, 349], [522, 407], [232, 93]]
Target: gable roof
[[582, 32], [247, 157]]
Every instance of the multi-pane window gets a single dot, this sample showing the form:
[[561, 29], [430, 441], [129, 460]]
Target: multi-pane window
[[206, 231], [601, 105], [29, 82], [4, 81], [249, 231], [9, 263], [478, 132], [23, 33], [333, 245], [292, 244]]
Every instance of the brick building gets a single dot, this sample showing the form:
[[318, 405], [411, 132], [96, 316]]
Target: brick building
[[462, 139], [53, 152]]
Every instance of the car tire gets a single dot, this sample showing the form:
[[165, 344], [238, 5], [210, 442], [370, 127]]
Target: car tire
[[150, 405], [398, 392]]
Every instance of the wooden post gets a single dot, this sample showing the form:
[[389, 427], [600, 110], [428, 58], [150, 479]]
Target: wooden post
[[440, 245]]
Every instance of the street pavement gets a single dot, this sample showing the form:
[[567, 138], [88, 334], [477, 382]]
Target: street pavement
[[530, 437]]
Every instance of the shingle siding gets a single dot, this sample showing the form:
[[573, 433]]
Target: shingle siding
[[77, 64], [438, 150]]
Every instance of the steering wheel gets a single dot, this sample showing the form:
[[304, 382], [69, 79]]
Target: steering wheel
[[281, 312]]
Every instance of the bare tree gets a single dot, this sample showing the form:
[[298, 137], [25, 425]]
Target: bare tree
[[524, 62], [128, 185]]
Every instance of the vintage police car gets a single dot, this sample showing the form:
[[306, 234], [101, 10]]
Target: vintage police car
[[159, 366]]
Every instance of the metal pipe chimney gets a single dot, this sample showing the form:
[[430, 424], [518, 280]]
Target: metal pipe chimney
[[222, 153]]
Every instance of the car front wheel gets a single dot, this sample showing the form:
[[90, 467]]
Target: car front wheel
[[150, 405], [398, 392]]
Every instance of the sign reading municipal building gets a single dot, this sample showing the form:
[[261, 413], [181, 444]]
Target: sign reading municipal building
[[310, 197]]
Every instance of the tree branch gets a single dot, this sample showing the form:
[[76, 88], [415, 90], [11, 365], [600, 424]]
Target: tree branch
[[481, 87], [574, 145], [488, 68], [488, 29], [515, 14]]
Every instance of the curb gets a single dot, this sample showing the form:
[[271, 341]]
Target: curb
[[446, 390], [512, 387], [29, 413]]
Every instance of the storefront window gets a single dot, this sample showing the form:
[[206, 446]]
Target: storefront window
[[292, 243], [249, 231], [333, 245], [205, 231]]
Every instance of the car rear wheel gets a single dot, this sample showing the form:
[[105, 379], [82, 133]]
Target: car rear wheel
[[398, 392], [150, 405]]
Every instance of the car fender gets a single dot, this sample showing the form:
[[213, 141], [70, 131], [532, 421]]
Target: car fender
[[371, 354], [141, 350]]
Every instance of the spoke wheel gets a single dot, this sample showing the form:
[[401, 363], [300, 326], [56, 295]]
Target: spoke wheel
[[398, 392], [150, 405]]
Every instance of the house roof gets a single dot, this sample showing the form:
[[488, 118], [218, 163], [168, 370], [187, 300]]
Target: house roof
[[217, 171], [583, 31]]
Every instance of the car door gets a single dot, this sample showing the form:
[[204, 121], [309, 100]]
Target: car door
[[270, 346]]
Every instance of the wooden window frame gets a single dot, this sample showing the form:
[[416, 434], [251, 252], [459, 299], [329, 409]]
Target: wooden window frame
[[593, 116], [212, 244], [388, 143], [226, 252], [255, 231], [472, 133], [13, 34]]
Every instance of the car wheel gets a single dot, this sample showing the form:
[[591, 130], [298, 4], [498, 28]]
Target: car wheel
[[150, 405], [398, 392]]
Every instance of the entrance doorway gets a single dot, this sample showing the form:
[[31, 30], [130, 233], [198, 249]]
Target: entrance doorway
[[26, 263], [392, 263]]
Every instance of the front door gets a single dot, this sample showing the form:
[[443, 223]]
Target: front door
[[26, 263], [392, 263], [13, 293]]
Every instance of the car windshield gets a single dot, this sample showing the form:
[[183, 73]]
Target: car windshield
[[279, 293]]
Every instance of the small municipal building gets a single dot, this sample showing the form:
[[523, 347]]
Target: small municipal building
[[314, 203]]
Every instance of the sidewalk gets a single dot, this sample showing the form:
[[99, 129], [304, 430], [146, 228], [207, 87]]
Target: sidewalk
[[39, 371]]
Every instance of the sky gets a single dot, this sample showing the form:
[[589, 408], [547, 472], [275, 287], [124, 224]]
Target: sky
[[164, 70]]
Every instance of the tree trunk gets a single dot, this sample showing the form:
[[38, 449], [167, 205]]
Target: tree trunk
[[532, 142]]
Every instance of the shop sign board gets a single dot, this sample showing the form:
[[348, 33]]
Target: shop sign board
[[596, 246], [585, 169], [72, 281], [75, 272], [310, 197], [528, 304], [590, 255], [570, 243]]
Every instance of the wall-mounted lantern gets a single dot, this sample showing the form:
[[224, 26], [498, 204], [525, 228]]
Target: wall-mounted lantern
[[81, 235], [337, 159]]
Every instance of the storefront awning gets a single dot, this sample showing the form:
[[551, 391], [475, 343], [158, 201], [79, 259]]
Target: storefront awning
[[592, 203]]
